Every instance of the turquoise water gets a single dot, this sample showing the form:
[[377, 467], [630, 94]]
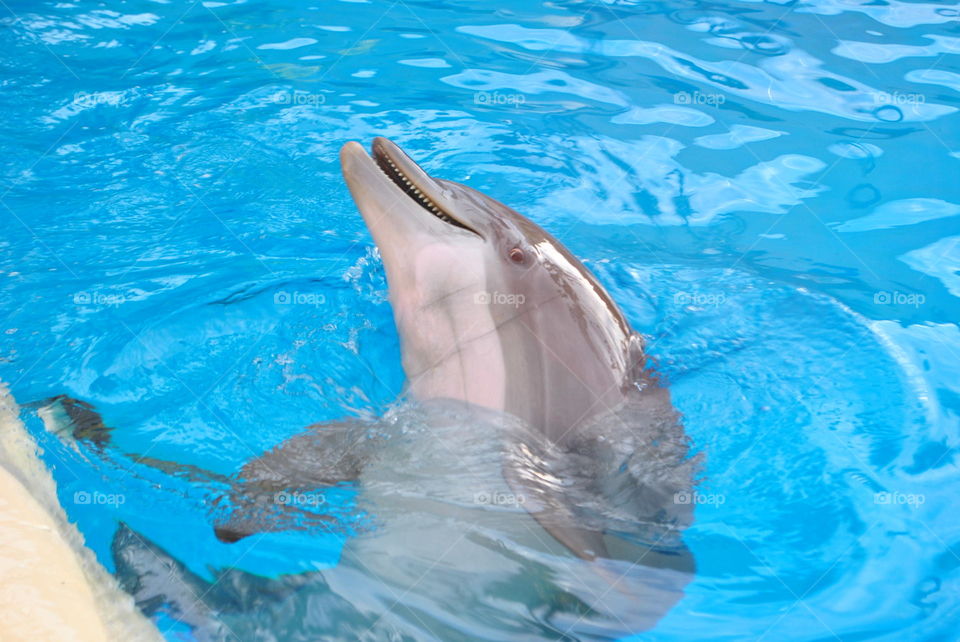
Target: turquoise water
[[769, 190]]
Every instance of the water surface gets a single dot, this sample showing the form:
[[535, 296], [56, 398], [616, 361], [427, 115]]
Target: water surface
[[769, 190]]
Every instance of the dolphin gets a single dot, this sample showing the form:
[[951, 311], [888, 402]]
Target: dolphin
[[495, 312], [500, 323]]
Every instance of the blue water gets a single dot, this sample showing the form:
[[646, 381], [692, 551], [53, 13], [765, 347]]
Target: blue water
[[771, 192]]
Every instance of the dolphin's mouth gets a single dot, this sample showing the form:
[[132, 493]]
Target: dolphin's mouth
[[390, 166]]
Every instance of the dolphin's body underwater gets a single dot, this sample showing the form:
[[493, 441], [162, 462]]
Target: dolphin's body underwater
[[499, 321]]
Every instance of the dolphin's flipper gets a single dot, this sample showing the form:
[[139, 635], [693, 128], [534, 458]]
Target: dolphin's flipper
[[265, 495], [252, 513], [76, 421], [323, 455], [155, 580], [78, 417], [158, 581], [277, 490]]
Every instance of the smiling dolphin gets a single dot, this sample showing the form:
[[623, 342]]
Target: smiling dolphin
[[495, 312], [514, 352], [490, 308]]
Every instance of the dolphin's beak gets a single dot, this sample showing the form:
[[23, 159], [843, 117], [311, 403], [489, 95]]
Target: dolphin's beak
[[397, 199]]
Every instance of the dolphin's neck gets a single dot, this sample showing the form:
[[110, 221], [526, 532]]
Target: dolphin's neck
[[519, 367]]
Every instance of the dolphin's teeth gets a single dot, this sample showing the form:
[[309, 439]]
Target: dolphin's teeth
[[401, 180]]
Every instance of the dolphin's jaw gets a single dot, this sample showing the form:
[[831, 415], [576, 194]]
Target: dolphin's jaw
[[435, 271], [392, 162]]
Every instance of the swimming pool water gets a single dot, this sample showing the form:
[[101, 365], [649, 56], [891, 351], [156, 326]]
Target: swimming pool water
[[768, 189]]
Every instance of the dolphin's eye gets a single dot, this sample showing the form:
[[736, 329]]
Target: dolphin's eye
[[516, 255]]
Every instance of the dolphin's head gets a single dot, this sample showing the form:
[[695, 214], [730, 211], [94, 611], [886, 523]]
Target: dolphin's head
[[485, 300]]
